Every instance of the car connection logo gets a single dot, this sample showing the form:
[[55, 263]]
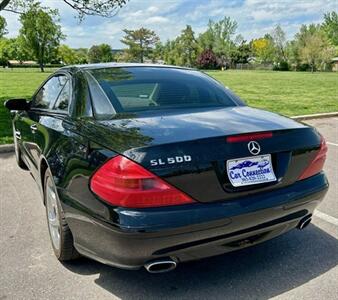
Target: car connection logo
[[170, 160], [254, 147], [249, 163]]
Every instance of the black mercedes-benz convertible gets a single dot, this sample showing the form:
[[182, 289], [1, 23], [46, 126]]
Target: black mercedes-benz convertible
[[147, 165]]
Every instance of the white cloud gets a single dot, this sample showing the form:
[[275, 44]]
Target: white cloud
[[156, 20], [286, 9], [153, 9]]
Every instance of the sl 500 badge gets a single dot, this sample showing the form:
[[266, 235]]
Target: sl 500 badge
[[170, 160]]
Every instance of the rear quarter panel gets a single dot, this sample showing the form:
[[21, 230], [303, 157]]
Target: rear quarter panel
[[72, 159]]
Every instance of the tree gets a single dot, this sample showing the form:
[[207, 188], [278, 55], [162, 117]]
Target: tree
[[182, 51], [140, 42], [188, 47], [4, 51], [123, 56], [206, 40], [3, 24], [264, 49], [224, 30], [168, 52], [218, 37], [100, 53], [104, 8], [279, 41], [304, 32], [313, 46], [81, 55], [292, 53], [40, 32], [316, 51], [66, 55], [330, 27], [158, 52], [241, 53], [15, 49], [207, 60]]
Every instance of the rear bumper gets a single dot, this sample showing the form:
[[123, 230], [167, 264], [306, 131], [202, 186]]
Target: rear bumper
[[195, 231]]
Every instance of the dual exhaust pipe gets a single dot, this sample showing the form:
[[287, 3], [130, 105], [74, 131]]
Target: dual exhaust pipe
[[167, 264]]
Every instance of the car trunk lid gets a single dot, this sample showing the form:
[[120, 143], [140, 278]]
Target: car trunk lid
[[191, 150]]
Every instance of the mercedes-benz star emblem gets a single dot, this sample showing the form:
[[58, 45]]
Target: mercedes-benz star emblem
[[254, 147]]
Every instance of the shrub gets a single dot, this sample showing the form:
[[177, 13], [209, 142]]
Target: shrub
[[207, 60], [303, 67], [281, 66]]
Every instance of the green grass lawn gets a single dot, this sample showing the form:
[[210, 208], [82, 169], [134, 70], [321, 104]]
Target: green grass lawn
[[288, 93], [17, 83]]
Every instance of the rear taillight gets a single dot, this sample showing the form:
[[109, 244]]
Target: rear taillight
[[317, 163], [249, 137], [122, 182]]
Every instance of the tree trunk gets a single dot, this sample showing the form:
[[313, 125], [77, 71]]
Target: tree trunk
[[141, 46], [41, 65], [42, 53]]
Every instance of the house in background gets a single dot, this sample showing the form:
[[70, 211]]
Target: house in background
[[15, 63], [335, 64]]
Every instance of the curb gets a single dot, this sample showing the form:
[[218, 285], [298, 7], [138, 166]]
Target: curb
[[6, 148], [10, 147], [315, 116]]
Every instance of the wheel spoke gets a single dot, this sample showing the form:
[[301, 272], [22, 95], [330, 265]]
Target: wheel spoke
[[54, 222], [53, 216]]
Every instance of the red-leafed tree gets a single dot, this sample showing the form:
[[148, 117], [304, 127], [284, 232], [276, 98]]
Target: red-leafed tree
[[207, 60]]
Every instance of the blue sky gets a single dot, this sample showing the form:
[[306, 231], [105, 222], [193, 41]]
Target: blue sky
[[169, 17]]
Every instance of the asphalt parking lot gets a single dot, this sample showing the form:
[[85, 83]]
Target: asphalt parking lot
[[297, 265]]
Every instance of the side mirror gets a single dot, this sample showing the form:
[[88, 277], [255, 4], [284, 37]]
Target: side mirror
[[17, 104]]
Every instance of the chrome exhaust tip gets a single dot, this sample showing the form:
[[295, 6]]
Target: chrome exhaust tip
[[160, 266], [304, 222]]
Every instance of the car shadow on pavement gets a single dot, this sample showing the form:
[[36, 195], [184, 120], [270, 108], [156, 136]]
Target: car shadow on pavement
[[262, 271]]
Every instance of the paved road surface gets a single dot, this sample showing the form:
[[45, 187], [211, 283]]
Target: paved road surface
[[298, 265]]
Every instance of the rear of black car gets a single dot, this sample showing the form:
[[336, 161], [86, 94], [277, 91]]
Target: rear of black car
[[178, 179]]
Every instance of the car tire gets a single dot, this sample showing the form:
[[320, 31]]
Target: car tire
[[59, 232]]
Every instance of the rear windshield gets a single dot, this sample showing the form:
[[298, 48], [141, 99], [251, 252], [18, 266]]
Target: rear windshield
[[133, 89]]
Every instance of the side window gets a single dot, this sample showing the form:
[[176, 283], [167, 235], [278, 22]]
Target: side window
[[62, 101], [49, 92]]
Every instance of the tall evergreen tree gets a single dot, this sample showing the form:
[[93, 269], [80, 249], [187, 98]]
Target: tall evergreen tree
[[140, 42]]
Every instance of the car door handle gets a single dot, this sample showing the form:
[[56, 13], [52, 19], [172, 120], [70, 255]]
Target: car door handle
[[18, 134], [34, 127]]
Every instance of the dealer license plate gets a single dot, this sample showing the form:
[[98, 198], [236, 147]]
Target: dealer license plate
[[250, 170]]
